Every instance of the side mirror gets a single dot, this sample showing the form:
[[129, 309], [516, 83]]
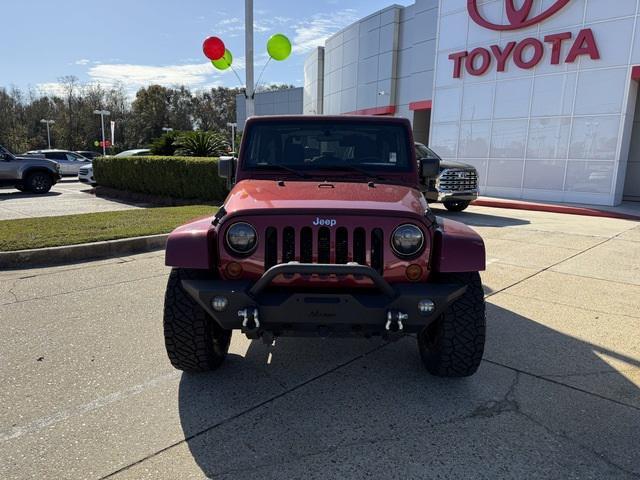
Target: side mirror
[[227, 169], [429, 167], [3, 156]]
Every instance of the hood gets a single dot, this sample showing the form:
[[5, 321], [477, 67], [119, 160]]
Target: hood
[[315, 195], [444, 164]]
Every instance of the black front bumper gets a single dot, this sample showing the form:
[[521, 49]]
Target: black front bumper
[[289, 312]]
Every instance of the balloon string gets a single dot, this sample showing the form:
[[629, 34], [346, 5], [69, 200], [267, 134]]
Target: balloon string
[[238, 77], [261, 73]]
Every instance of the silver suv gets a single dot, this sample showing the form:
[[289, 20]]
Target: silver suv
[[32, 174], [70, 162]]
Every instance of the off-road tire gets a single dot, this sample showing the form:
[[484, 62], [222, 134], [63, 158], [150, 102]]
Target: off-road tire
[[456, 206], [194, 341], [453, 345], [39, 182]]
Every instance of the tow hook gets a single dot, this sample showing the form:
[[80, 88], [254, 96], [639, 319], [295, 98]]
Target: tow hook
[[394, 327], [250, 322]]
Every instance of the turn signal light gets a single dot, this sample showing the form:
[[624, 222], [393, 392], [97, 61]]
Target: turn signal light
[[414, 272], [233, 270]]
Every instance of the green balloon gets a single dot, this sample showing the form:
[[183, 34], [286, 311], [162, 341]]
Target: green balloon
[[224, 62], [279, 47], [96, 143]]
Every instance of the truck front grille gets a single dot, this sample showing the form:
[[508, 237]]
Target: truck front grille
[[324, 245], [457, 180]]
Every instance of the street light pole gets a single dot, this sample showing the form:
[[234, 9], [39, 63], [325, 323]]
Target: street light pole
[[233, 135], [248, 49], [103, 113], [48, 123]]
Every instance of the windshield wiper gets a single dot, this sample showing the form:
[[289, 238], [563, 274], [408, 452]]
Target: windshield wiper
[[351, 168], [283, 168]]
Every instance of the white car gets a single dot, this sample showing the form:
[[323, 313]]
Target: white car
[[70, 162], [85, 174], [139, 152]]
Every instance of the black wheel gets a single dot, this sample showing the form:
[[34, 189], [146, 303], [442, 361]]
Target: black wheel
[[453, 345], [39, 182], [194, 341], [455, 206]]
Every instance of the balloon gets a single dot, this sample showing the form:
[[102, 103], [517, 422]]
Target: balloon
[[279, 47], [96, 143], [213, 48], [224, 62]]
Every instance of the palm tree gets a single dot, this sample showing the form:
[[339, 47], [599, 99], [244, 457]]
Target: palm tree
[[201, 144]]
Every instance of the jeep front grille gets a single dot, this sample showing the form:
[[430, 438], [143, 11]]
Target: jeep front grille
[[324, 245], [457, 180]]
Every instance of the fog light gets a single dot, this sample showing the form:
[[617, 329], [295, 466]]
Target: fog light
[[220, 304], [425, 307], [234, 270], [413, 272]]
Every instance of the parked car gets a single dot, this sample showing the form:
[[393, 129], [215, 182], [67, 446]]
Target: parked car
[[70, 162], [325, 232], [139, 152], [85, 175], [456, 185], [32, 174], [89, 154]]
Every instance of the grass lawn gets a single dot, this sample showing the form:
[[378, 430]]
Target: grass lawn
[[42, 232]]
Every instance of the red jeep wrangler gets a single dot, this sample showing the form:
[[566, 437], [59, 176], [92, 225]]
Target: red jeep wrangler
[[325, 232]]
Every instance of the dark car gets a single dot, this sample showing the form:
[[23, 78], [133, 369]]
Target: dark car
[[325, 232], [456, 186]]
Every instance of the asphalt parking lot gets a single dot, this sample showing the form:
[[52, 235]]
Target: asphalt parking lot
[[65, 198], [88, 392]]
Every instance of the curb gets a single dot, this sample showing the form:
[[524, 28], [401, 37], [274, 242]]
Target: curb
[[51, 256], [545, 207]]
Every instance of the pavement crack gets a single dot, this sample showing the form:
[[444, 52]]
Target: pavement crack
[[506, 404], [557, 382]]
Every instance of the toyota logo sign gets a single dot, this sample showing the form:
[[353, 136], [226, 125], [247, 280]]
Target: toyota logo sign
[[524, 53], [518, 17]]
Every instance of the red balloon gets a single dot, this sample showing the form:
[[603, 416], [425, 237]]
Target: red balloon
[[213, 48]]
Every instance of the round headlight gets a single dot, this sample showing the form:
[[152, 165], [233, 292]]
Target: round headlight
[[407, 240], [241, 238]]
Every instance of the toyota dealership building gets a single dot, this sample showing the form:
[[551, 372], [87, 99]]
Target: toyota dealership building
[[539, 95]]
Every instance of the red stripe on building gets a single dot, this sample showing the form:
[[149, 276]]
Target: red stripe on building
[[421, 105], [388, 110], [635, 73]]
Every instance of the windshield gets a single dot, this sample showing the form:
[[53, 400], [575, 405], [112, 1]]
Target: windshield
[[354, 147]]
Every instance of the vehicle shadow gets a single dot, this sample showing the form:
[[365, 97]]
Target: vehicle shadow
[[543, 404], [9, 194], [475, 219]]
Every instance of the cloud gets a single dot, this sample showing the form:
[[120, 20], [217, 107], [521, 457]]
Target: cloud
[[83, 61], [133, 77], [314, 31]]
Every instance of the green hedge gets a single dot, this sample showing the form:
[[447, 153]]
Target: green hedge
[[175, 177]]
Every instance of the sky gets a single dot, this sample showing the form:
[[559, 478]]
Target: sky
[[142, 42]]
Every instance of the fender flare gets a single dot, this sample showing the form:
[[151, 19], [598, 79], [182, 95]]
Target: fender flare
[[29, 170], [457, 248], [192, 245]]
